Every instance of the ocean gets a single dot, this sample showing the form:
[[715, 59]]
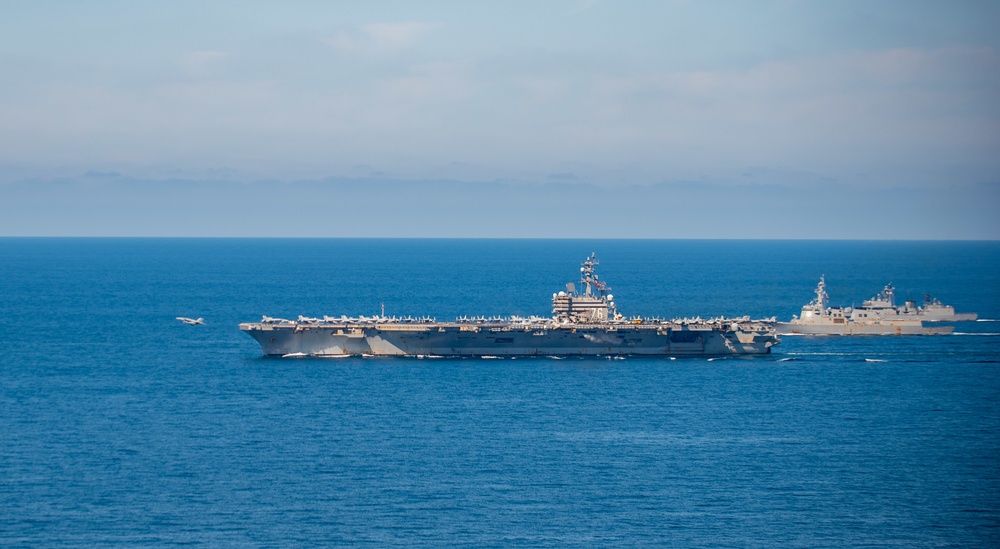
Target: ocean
[[120, 425]]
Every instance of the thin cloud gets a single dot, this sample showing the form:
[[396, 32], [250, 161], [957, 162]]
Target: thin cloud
[[396, 35], [341, 41], [200, 63], [585, 5], [376, 38]]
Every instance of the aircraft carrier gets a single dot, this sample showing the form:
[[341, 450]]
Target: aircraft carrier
[[583, 323]]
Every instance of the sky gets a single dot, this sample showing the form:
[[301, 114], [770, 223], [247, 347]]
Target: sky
[[564, 118]]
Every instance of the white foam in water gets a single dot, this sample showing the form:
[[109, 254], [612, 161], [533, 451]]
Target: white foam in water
[[874, 360]]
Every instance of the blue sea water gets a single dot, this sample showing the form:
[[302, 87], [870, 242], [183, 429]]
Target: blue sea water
[[121, 426]]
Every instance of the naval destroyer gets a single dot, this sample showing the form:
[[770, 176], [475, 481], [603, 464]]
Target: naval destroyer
[[931, 311], [583, 323], [876, 316]]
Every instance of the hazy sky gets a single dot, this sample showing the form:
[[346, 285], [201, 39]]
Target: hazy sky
[[795, 107]]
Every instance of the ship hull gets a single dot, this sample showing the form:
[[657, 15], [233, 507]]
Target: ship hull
[[458, 340], [947, 317], [856, 328]]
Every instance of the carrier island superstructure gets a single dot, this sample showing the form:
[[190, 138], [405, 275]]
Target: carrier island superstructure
[[583, 323]]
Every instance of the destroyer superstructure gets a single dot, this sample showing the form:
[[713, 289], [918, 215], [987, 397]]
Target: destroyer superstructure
[[583, 322], [931, 311], [876, 316]]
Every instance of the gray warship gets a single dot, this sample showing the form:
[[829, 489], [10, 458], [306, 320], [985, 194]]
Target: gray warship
[[583, 323], [876, 316], [931, 311]]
